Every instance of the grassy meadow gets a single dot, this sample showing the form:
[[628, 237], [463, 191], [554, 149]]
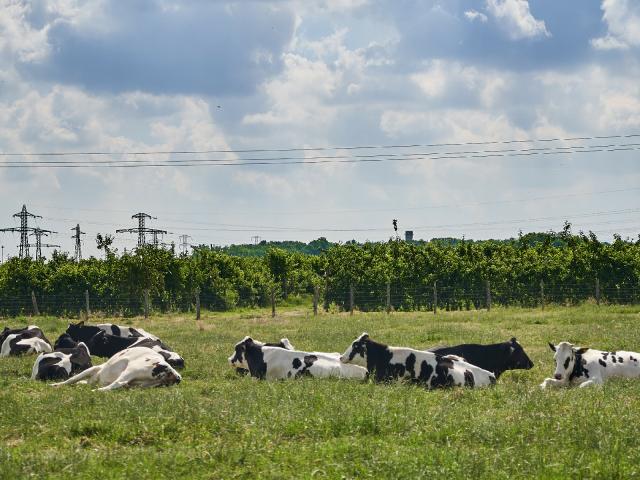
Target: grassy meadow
[[216, 424]]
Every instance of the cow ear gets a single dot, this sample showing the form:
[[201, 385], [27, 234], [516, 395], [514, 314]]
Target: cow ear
[[513, 340], [552, 347], [581, 350], [80, 323]]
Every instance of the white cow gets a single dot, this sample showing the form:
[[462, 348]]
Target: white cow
[[586, 366], [133, 367], [276, 363], [430, 369]]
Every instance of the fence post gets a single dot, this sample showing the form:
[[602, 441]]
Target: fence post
[[146, 303], [488, 296], [597, 291], [86, 301], [388, 296], [316, 297], [36, 312], [542, 294], [351, 299], [435, 297], [198, 303], [326, 293], [273, 303]]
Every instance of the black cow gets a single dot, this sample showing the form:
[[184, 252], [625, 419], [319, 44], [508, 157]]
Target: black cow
[[105, 345], [64, 341], [496, 358], [61, 363]]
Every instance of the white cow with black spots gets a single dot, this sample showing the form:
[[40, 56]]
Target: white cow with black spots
[[133, 367], [277, 363], [586, 366]]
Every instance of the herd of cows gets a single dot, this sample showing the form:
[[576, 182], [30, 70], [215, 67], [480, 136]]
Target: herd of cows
[[138, 358]]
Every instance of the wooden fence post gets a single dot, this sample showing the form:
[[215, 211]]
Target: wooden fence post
[[488, 296], [86, 301], [388, 296], [542, 294], [36, 312], [198, 303], [351, 299], [146, 303], [435, 297], [326, 293], [316, 297], [273, 303], [597, 291]]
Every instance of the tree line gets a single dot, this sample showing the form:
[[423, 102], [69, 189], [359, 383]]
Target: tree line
[[556, 267]]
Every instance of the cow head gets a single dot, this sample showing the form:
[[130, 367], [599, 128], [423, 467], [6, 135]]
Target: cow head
[[518, 359], [164, 375], [239, 357], [565, 357], [357, 351]]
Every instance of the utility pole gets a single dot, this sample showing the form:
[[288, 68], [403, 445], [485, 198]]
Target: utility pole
[[24, 229], [39, 233], [76, 237], [142, 230], [184, 243], [256, 239]]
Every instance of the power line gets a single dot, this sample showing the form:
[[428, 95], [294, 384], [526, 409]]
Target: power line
[[325, 148], [76, 237], [330, 160]]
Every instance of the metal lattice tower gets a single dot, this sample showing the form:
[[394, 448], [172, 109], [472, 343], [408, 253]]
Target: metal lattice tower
[[76, 237], [184, 243], [142, 230], [24, 229], [39, 233]]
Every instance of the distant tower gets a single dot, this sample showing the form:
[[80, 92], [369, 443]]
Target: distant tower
[[142, 230], [39, 233], [408, 235], [24, 229], [76, 237], [184, 243]]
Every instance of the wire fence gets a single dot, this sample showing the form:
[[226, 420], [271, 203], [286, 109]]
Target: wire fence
[[368, 298]]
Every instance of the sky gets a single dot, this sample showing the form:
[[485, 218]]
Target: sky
[[213, 75]]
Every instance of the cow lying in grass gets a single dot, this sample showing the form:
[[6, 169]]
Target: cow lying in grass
[[104, 345], [496, 358], [133, 367], [585, 366], [62, 363], [275, 363], [83, 333], [20, 341], [283, 343], [428, 368]]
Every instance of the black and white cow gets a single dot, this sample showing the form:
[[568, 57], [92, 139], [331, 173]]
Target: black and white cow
[[275, 363], [20, 341], [585, 366], [62, 363], [387, 363], [64, 341], [133, 367], [83, 333], [496, 358], [105, 345], [283, 343]]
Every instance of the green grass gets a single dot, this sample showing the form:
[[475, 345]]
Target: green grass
[[218, 425]]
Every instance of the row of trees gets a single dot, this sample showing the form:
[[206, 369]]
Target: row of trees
[[567, 264]]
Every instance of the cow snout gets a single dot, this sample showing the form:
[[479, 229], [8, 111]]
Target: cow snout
[[343, 359], [557, 376]]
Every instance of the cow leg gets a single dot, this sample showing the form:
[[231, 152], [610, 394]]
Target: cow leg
[[124, 380], [552, 382], [592, 382], [81, 376]]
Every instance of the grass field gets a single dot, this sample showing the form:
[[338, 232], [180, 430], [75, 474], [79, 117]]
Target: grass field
[[218, 425]]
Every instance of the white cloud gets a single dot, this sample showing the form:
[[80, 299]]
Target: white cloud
[[517, 19], [472, 15], [623, 21]]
